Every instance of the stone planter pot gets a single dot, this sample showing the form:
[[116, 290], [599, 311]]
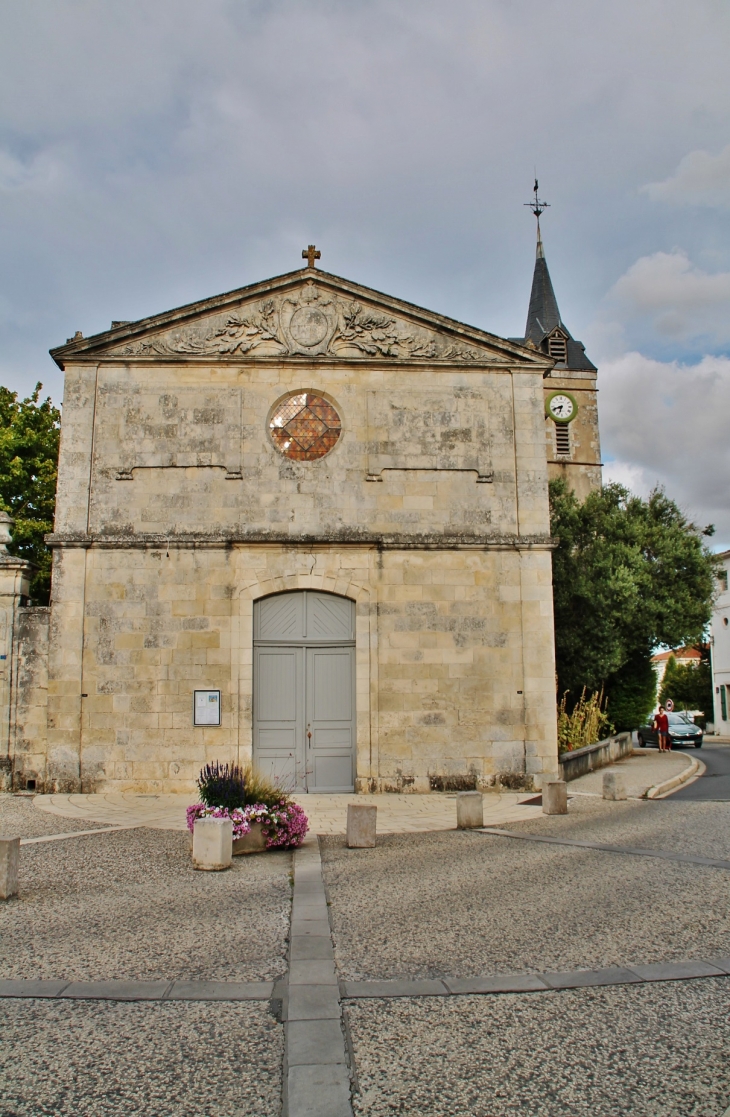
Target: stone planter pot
[[253, 842]]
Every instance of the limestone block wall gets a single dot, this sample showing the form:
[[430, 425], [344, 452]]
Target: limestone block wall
[[176, 449], [454, 660], [29, 712]]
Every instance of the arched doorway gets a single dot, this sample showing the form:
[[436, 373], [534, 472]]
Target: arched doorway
[[304, 690]]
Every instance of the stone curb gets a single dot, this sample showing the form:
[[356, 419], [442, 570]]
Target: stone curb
[[661, 789]]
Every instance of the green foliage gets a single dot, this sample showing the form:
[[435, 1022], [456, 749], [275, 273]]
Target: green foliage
[[628, 575], [689, 685], [585, 724], [633, 692], [29, 434], [229, 786]]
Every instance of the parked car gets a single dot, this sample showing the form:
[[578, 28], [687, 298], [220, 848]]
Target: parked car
[[682, 731]]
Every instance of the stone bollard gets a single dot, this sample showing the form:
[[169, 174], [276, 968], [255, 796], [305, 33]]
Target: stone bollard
[[469, 810], [361, 821], [555, 797], [614, 786], [212, 844], [9, 859]]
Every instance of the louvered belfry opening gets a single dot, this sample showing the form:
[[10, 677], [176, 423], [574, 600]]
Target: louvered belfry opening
[[558, 347], [562, 439]]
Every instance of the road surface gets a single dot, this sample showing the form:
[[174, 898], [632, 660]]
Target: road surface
[[715, 784]]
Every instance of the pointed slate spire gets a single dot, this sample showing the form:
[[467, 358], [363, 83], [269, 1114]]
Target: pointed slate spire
[[543, 314]]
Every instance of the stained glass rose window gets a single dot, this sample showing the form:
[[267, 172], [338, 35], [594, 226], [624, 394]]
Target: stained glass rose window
[[304, 427]]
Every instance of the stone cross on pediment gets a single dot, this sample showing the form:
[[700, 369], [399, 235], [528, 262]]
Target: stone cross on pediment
[[310, 254]]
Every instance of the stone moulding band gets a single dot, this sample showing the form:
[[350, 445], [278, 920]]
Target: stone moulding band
[[380, 542]]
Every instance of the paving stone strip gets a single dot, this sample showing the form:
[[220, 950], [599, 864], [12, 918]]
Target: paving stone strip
[[138, 990], [535, 983], [635, 851], [316, 1070], [313, 1024], [74, 834]]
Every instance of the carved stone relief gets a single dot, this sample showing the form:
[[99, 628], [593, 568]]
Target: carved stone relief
[[310, 323]]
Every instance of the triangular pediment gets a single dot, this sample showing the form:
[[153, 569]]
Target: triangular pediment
[[307, 313]]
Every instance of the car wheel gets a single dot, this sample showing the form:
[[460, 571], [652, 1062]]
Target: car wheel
[[640, 741], [698, 744]]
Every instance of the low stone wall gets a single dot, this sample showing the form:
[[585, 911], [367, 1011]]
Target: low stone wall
[[588, 759]]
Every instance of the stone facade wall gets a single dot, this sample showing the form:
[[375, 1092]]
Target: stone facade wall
[[175, 512], [29, 711], [454, 664]]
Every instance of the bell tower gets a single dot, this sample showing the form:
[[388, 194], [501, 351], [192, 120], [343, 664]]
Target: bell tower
[[571, 407]]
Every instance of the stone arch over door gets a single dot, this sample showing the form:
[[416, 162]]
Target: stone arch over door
[[304, 722], [261, 575]]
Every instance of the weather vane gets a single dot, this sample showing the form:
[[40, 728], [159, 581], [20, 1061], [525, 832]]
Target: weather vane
[[536, 205]]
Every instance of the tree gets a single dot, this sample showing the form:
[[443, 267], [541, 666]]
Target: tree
[[29, 435], [689, 685], [628, 575]]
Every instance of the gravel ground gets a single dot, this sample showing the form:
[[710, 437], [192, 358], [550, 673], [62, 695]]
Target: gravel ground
[[129, 905], [647, 1051], [20, 819], [461, 903], [684, 827], [97, 1059]]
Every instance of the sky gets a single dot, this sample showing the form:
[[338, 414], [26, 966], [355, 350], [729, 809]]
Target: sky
[[155, 152]]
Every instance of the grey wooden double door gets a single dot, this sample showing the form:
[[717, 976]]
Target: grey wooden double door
[[304, 690]]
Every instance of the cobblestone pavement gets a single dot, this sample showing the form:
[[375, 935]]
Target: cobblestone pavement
[[327, 814]]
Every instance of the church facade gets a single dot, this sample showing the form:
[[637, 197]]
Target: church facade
[[304, 525]]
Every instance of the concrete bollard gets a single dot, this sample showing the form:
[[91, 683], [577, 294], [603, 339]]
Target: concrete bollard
[[555, 797], [212, 844], [614, 785], [9, 861], [469, 810], [361, 822]]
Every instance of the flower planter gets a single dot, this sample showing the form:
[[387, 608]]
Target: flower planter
[[253, 842]]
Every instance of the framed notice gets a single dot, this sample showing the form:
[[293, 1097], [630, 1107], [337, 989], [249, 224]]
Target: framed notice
[[206, 707]]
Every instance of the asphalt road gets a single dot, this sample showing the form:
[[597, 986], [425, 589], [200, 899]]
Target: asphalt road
[[715, 784]]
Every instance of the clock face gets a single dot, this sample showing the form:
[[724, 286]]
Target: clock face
[[562, 407]]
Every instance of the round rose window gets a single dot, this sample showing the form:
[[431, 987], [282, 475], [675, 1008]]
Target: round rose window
[[304, 427]]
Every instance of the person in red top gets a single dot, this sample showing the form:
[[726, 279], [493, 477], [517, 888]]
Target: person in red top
[[661, 724]]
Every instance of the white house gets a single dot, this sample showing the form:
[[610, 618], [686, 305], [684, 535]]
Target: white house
[[720, 649]]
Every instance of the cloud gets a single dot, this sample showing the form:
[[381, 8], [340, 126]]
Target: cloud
[[667, 423], [678, 300], [701, 179]]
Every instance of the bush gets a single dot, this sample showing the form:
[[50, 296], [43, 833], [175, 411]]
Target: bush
[[222, 785], [586, 723]]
